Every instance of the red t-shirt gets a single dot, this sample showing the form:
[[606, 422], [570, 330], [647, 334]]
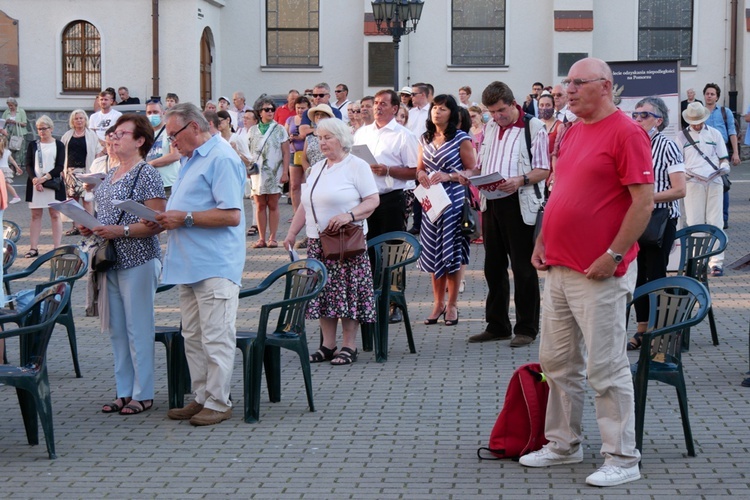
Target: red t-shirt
[[282, 113], [596, 164]]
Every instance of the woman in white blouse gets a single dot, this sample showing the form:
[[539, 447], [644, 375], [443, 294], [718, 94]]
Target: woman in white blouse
[[342, 189], [45, 159]]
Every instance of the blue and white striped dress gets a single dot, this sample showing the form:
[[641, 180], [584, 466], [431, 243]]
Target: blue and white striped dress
[[444, 247]]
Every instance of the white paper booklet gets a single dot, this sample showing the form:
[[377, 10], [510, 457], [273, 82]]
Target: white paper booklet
[[488, 184], [94, 179], [76, 212], [135, 208], [434, 200], [363, 152]]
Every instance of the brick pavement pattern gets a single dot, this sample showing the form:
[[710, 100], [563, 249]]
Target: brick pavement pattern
[[408, 428]]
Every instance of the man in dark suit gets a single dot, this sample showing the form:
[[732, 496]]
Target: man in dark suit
[[684, 105], [530, 105]]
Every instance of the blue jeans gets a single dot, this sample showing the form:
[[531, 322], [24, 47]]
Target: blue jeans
[[131, 328]]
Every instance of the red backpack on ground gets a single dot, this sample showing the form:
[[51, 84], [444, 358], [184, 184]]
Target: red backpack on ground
[[519, 428]]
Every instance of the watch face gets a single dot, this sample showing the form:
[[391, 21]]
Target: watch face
[[189, 220]]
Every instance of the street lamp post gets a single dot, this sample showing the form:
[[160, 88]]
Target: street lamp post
[[396, 14]]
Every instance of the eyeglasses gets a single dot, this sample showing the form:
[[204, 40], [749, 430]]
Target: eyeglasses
[[644, 115], [119, 134], [416, 93], [171, 138], [577, 82], [42, 129], [268, 110], [319, 95], [558, 95], [339, 91]]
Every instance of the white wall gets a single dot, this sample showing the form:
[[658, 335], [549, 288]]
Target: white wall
[[238, 28]]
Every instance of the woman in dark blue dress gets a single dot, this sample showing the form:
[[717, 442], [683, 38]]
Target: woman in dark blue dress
[[446, 157]]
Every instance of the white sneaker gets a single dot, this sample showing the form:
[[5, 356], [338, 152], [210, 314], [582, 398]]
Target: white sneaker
[[611, 475], [546, 457], [15, 199]]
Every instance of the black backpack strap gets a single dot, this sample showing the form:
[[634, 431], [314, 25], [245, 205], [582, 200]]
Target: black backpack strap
[[527, 133]]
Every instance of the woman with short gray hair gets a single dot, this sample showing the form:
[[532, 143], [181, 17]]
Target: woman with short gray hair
[[669, 187]]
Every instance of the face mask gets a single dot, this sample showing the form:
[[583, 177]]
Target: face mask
[[545, 113], [486, 117], [154, 119]]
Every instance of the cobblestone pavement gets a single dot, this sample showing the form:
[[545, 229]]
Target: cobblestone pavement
[[408, 428]]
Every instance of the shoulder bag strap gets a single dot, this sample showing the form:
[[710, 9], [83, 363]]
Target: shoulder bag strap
[[132, 189], [703, 155], [265, 139], [527, 134], [312, 207]]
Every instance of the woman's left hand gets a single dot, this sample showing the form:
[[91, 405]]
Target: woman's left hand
[[108, 232], [338, 221]]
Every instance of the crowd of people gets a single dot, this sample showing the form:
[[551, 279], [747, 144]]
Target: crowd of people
[[194, 166]]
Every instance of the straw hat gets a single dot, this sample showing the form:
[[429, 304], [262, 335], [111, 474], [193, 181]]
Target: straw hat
[[323, 108], [405, 90], [695, 114]]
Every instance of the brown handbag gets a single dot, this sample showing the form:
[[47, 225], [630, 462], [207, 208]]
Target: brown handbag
[[347, 242]]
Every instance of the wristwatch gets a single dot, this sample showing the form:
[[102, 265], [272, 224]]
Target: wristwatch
[[617, 257], [525, 180], [352, 214], [189, 220], [126, 230]]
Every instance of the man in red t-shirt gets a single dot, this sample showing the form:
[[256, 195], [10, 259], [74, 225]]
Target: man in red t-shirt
[[602, 202], [282, 113]]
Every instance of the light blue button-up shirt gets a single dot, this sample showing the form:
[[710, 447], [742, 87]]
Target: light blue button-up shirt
[[214, 177], [716, 120]]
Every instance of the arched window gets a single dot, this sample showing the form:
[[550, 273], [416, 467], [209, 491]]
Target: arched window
[[82, 58]]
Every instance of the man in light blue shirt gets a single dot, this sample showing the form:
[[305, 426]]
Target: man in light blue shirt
[[205, 257], [722, 119]]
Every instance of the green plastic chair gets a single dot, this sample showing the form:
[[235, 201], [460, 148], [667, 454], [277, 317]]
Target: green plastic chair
[[66, 264], [698, 244], [672, 311], [178, 373], [391, 252], [303, 281], [37, 320]]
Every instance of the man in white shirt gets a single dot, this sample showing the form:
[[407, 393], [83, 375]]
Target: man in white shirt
[[236, 111], [100, 121], [162, 156], [562, 113], [508, 222], [342, 101], [420, 98], [703, 198], [395, 149]]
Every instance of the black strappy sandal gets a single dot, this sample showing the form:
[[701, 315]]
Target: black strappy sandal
[[323, 354]]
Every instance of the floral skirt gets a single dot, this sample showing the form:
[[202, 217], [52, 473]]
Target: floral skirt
[[348, 292]]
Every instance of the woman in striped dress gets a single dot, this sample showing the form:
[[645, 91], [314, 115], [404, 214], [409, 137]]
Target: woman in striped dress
[[446, 156]]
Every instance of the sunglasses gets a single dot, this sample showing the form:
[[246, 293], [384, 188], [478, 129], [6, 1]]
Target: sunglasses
[[268, 110], [318, 95], [356, 111], [644, 115]]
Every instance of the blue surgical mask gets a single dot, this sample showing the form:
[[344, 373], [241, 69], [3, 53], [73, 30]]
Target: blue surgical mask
[[154, 119], [486, 117]]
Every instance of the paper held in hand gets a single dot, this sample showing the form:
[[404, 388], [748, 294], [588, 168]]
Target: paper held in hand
[[488, 184], [76, 212], [94, 179], [135, 208], [434, 200], [363, 152], [707, 173]]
